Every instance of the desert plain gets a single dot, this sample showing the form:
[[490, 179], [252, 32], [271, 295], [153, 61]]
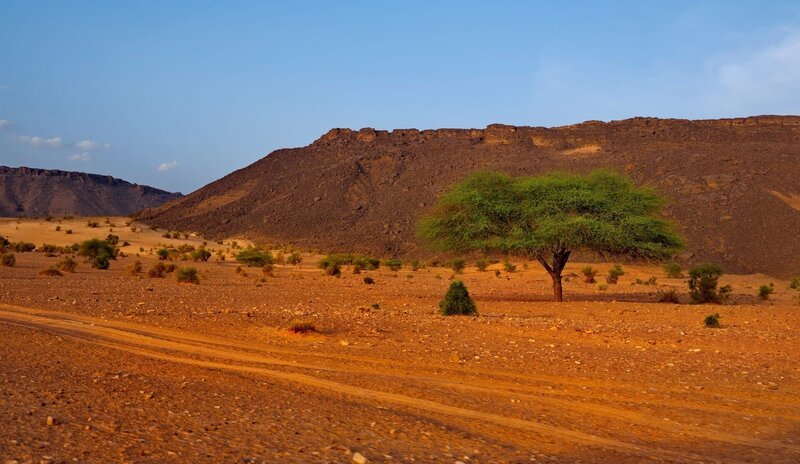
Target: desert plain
[[110, 366]]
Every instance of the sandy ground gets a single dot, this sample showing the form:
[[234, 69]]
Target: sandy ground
[[134, 369]]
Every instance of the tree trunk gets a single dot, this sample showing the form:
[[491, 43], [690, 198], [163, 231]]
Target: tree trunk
[[560, 258]]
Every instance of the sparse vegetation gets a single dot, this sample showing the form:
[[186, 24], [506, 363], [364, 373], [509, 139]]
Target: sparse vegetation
[[201, 254], [158, 270], [650, 281], [187, 275], [549, 217], [602, 287], [458, 265], [8, 260], [97, 252], [482, 264], [415, 265], [254, 257], [369, 280], [93, 224], [393, 264], [294, 258], [333, 269], [457, 301], [67, 265], [299, 326], [673, 270], [712, 321], [703, 280], [508, 266], [614, 273], [795, 283], [765, 291], [588, 274], [668, 296], [22, 247], [51, 271]]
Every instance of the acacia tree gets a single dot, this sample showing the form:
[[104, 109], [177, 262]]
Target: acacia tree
[[548, 217]]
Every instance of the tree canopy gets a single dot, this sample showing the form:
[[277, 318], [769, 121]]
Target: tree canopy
[[550, 216]]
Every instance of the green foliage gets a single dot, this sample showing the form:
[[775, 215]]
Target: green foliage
[[530, 216], [8, 260], [795, 283], [482, 264], [187, 275], [458, 265], [703, 280], [712, 321], [97, 252], [333, 269], [651, 281], [112, 240], [3, 242], [201, 254], [765, 291], [163, 253], [588, 273], [673, 270], [67, 265], [22, 247], [337, 260], [294, 258], [614, 273], [254, 257], [508, 266], [365, 262], [457, 301], [393, 264], [415, 265]]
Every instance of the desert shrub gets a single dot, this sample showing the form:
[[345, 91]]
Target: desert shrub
[[201, 254], [51, 272], [294, 258], [135, 267], [651, 281], [126, 243], [112, 240], [508, 266], [93, 224], [68, 231], [415, 265], [614, 273], [482, 264], [268, 270], [333, 269], [254, 257], [668, 296], [301, 326], [673, 270], [795, 283], [58, 228], [97, 252], [369, 280], [703, 280], [47, 248], [163, 253], [497, 273], [712, 321], [435, 262], [22, 247], [393, 264], [157, 270], [8, 260], [602, 287], [457, 301], [3, 242], [185, 248], [340, 259], [458, 265], [375, 306], [187, 275], [67, 265], [765, 291], [588, 273]]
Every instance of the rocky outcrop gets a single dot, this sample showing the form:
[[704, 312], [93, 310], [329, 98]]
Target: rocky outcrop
[[41, 192], [727, 182]]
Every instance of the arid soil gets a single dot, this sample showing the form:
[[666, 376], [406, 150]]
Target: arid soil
[[366, 190], [135, 369]]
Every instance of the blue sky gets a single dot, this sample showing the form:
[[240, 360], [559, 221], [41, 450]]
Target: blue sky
[[176, 94]]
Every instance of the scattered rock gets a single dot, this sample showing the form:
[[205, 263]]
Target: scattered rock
[[358, 458]]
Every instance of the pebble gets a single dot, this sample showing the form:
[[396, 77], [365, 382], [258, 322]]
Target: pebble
[[51, 420], [358, 458]]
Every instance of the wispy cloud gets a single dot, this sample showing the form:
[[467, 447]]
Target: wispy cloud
[[85, 156], [91, 145], [167, 166], [760, 80], [37, 142], [5, 124]]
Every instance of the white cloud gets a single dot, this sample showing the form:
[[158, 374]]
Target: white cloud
[[167, 166], [765, 80], [91, 145], [36, 141], [5, 124], [81, 157]]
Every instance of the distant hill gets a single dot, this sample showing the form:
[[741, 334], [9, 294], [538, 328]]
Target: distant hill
[[40, 192], [733, 184]]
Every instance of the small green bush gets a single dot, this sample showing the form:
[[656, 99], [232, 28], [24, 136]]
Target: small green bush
[[369, 280], [8, 260], [765, 291], [366, 262], [337, 260], [22, 247], [254, 257], [294, 258], [97, 252], [673, 270], [614, 273], [458, 265], [187, 275], [457, 301], [333, 269], [588, 274], [482, 264], [201, 254], [135, 267], [795, 283], [509, 266], [712, 321], [602, 287], [651, 281], [393, 264], [67, 265], [157, 270], [415, 265], [703, 280], [668, 296]]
